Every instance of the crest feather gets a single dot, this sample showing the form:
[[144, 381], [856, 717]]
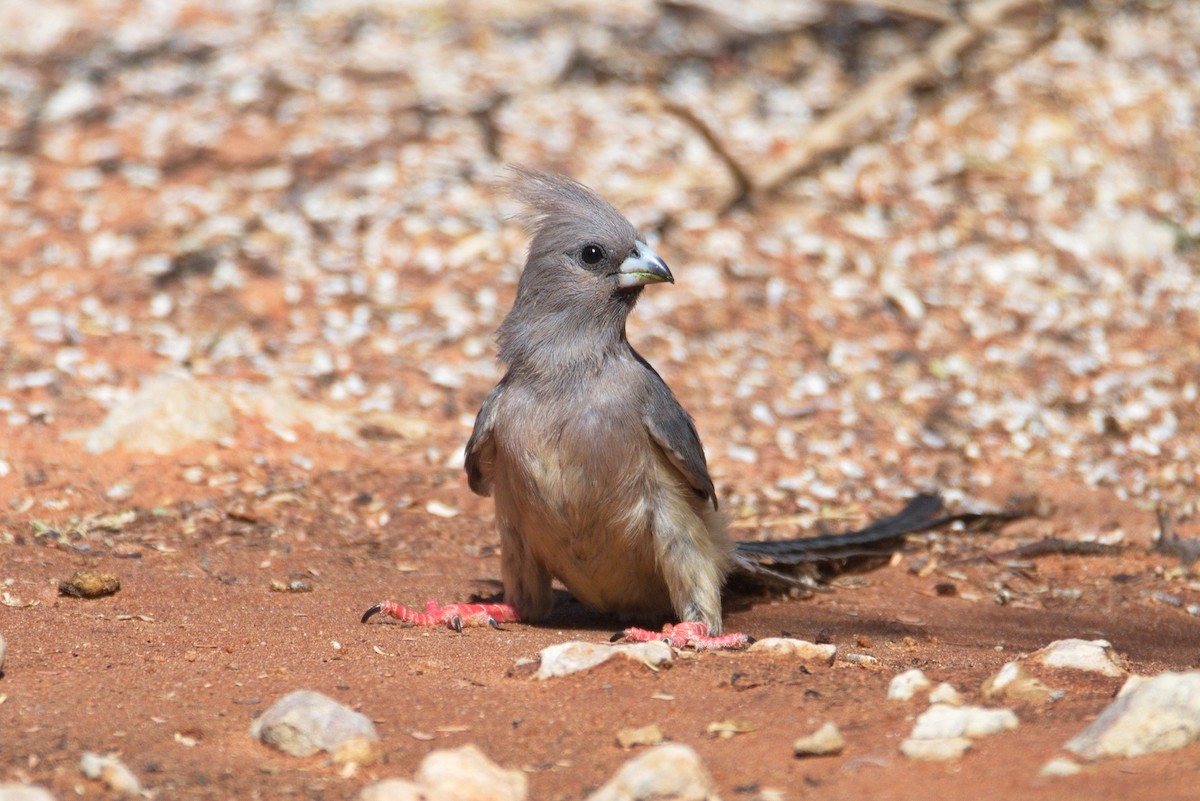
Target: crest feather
[[564, 200]]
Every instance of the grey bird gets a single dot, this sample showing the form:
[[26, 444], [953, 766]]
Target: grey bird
[[597, 472]]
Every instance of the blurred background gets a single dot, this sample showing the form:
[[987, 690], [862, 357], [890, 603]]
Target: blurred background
[[917, 243]]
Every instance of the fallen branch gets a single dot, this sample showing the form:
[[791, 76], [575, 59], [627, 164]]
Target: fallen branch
[[833, 131], [917, 9]]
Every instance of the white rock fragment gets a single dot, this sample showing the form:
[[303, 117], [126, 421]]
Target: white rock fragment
[[460, 774], [24, 792], [74, 98], [169, 411], [795, 649], [391, 790], [305, 722], [941, 721], [670, 771], [863, 660], [121, 491], [1060, 766], [465, 774], [1014, 683], [1092, 656], [110, 771], [904, 686], [1157, 714], [825, 741], [566, 658], [945, 693], [634, 736], [439, 509], [939, 750]]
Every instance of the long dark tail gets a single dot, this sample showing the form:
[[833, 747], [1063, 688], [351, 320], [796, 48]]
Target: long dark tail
[[799, 561]]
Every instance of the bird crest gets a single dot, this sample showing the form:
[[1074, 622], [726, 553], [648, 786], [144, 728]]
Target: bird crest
[[569, 205]]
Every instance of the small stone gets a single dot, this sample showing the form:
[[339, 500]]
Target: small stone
[[465, 774], [1157, 714], [791, 648], [1013, 683], [357, 751], [439, 509], [1060, 766], [121, 491], [305, 722], [939, 750], [3, 653], [825, 741], [73, 99], [942, 722], [906, 685], [89, 584], [169, 411], [110, 771], [566, 658], [664, 772], [945, 693], [391, 790], [727, 729], [642, 735], [295, 585], [1092, 656], [24, 792], [863, 660]]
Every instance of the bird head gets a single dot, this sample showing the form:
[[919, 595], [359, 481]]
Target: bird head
[[586, 267]]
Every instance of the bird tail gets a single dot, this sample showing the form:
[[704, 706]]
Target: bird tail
[[800, 561]]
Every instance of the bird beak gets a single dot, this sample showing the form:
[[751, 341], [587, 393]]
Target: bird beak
[[642, 266]]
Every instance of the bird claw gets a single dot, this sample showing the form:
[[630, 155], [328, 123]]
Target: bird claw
[[692, 634], [454, 616]]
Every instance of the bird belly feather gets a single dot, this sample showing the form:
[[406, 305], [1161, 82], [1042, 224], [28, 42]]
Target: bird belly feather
[[583, 494]]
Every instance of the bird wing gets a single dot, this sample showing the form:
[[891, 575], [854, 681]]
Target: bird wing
[[673, 431], [481, 447]]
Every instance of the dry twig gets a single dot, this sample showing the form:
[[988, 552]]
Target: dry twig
[[833, 131]]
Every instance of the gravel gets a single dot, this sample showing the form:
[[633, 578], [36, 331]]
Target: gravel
[[1001, 276]]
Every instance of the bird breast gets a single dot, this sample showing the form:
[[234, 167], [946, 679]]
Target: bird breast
[[578, 486]]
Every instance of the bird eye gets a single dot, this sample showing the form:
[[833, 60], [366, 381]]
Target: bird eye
[[592, 254]]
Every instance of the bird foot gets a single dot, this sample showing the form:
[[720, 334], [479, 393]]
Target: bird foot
[[452, 616], [688, 635]]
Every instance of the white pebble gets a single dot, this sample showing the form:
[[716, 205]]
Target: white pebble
[[904, 686], [566, 658], [825, 741], [1060, 766], [795, 649], [1092, 656], [945, 693], [943, 721], [111, 771], [939, 750], [1156, 714], [666, 771]]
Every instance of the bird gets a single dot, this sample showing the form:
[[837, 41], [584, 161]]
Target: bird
[[597, 472]]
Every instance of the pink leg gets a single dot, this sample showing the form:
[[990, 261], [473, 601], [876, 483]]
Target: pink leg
[[454, 616], [684, 635]]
